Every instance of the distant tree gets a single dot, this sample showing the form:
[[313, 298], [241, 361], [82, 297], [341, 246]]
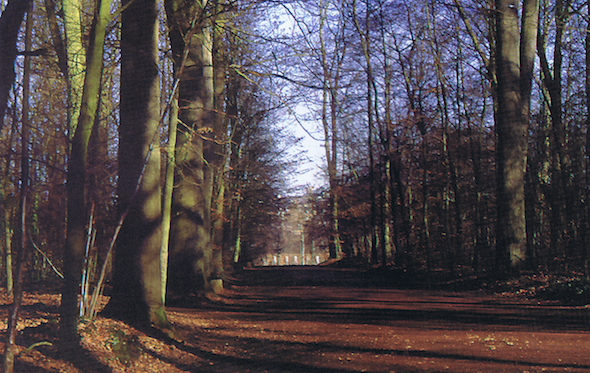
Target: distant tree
[[257, 177], [562, 195], [371, 113], [258, 147], [331, 65]]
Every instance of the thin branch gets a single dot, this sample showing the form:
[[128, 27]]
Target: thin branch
[[57, 272]]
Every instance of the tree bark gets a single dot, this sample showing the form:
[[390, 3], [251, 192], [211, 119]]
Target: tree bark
[[137, 296], [168, 189], [513, 70], [190, 234], [76, 185], [219, 152], [390, 231], [8, 218], [329, 96], [561, 186], [10, 23], [75, 58], [57, 39], [21, 235], [371, 110], [587, 215]]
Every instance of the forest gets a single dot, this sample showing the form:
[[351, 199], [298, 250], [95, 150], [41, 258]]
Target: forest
[[148, 147]]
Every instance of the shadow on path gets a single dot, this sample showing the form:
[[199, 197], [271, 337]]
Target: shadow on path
[[311, 293], [295, 324]]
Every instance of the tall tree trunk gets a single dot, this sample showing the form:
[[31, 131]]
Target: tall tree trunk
[[168, 189], [190, 234], [403, 254], [219, 147], [528, 48], [451, 253], [75, 58], [329, 96], [511, 147], [76, 185], [561, 177], [8, 219], [370, 139], [57, 39], [390, 234], [136, 296], [587, 215], [233, 89], [513, 57], [425, 200], [21, 235], [8, 232], [371, 114], [481, 239], [10, 22]]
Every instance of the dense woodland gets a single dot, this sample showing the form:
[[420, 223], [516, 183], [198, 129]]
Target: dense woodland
[[144, 144]]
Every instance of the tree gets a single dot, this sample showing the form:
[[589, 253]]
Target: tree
[[371, 111], [136, 296], [481, 50], [220, 146], [514, 58], [410, 62], [587, 179], [76, 183], [75, 57], [10, 22], [561, 192], [21, 229], [257, 181], [330, 88], [190, 232]]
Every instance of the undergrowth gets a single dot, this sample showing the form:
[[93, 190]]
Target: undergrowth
[[573, 289]]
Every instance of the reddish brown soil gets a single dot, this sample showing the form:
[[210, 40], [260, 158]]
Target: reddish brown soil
[[273, 326]]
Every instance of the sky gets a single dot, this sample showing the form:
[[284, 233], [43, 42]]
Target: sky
[[300, 118], [312, 165]]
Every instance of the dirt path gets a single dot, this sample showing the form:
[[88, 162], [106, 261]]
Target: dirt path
[[320, 321], [341, 329]]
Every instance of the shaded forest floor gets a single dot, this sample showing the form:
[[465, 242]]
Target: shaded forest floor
[[326, 320]]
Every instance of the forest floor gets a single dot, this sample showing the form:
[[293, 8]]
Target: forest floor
[[312, 321]]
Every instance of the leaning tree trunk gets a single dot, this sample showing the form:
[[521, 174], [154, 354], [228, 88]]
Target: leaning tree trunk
[[137, 296]]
